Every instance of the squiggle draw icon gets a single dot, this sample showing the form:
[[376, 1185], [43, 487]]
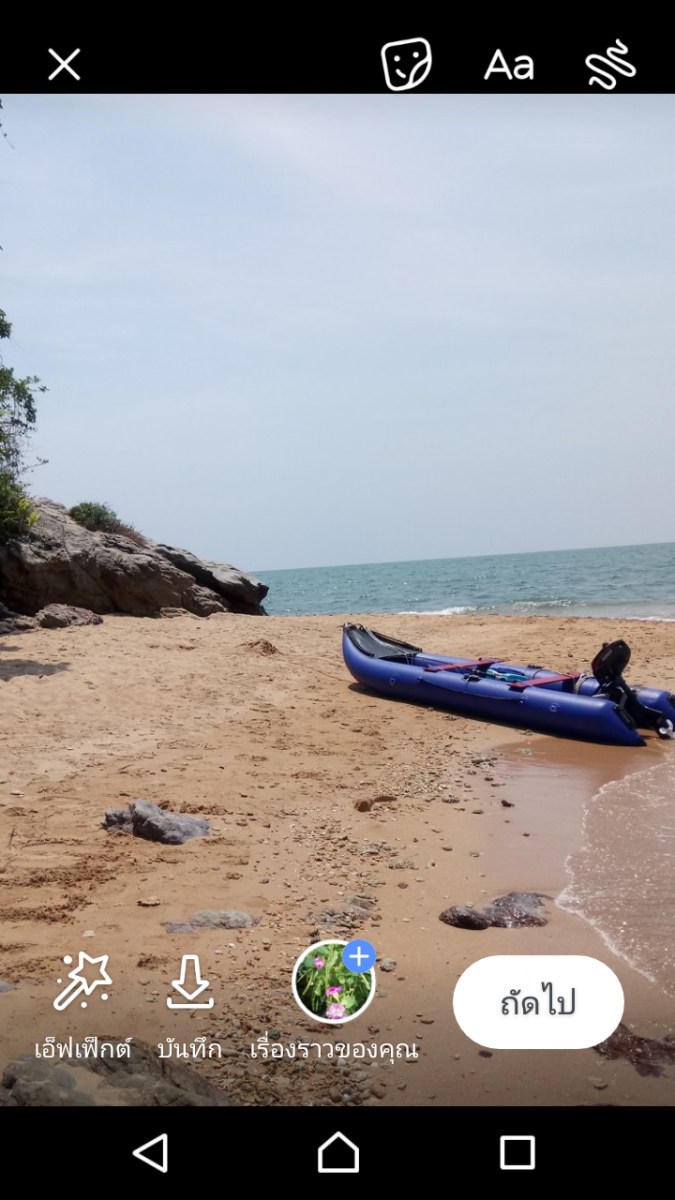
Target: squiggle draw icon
[[614, 61]]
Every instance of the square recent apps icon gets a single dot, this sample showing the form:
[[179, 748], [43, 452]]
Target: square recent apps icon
[[516, 1152]]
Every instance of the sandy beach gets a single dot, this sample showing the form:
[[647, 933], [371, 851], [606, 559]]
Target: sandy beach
[[255, 724]]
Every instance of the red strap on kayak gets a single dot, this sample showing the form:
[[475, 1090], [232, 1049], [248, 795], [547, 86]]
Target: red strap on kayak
[[525, 683], [466, 666]]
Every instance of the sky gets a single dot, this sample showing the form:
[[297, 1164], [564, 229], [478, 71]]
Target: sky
[[288, 331]]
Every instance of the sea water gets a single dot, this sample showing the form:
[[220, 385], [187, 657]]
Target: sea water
[[622, 879], [615, 581]]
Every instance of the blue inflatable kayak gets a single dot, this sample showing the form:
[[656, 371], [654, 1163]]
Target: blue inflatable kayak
[[598, 706]]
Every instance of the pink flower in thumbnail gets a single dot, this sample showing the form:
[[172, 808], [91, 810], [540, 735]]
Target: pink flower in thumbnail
[[335, 1012], [333, 991], [319, 963]]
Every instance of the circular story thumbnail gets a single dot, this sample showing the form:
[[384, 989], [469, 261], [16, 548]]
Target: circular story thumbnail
[[326, 989]]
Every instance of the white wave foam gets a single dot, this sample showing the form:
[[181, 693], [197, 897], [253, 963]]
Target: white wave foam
[[570, 903], [518, 604], [668, 620], [438, 612], [612, 892]]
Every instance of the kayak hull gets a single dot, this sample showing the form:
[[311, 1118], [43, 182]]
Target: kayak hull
[[406, 673]]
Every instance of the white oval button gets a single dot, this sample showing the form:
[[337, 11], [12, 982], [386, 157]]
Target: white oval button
[[538, 1002]]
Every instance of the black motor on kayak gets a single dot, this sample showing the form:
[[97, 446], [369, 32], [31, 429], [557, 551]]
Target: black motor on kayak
[[608, 667], [610, 663]]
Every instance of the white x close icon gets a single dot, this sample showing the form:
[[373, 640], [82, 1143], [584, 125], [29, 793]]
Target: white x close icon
[[64, 63]]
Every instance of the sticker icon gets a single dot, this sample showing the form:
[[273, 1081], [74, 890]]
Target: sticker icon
[[79, 981], [190, 984], [614, 58], [406, 64]]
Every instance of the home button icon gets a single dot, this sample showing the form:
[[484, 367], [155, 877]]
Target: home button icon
[[338, 1156]]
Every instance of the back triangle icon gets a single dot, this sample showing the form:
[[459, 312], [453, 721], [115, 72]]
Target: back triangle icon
[[160, 1160]]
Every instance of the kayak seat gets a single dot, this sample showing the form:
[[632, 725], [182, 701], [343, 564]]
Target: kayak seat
[[377, 645]]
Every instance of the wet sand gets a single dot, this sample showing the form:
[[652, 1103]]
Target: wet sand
[[256, 725]]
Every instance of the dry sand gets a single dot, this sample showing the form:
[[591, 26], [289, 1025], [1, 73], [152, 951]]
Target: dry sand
[[255, 724]]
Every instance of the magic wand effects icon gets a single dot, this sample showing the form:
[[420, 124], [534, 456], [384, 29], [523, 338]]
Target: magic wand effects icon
[[79, 981]]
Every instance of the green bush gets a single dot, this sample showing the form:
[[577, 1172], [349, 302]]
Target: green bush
[[95, 516], [104, 519], [17, 514]]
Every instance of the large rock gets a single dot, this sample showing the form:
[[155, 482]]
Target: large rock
[[141, 1081], [59, 562], [217, 577]]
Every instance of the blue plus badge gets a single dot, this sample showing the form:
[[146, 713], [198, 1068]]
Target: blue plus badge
[[359, 956]]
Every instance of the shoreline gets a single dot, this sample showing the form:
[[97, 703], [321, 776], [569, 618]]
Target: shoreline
[[257, 726]]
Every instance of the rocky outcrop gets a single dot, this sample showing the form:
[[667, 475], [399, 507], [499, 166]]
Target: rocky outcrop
[[140, 1081], [220, 578], [59, 562]]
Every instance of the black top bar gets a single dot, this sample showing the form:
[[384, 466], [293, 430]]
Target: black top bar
[[337, 56]]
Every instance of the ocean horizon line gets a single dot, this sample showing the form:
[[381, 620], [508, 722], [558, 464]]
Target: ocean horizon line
[[402, 562]]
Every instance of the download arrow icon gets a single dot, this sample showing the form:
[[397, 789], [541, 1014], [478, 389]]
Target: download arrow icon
[[190, 984]]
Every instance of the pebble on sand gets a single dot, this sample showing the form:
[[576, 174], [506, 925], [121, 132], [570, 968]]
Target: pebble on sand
[[210, 918]]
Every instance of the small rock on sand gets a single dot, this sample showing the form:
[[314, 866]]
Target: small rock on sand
[[648, 1055], [146, 820], [464, 918], [514, 911], [210, 918], [388, 964], [346, 916], [6, 987], [58, 616], [365, 805]]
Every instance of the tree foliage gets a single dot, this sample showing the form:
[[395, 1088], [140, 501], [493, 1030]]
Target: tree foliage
[[18, 414]]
